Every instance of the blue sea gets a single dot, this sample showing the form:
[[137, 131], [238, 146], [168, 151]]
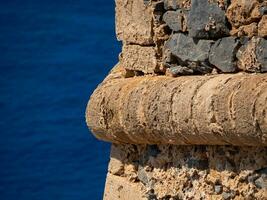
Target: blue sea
[[53, 54]]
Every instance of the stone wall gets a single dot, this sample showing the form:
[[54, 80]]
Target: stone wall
[[186, 106], [170, 172], [193, 37]]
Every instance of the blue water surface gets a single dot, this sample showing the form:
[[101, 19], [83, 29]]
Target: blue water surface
[[53, 53]]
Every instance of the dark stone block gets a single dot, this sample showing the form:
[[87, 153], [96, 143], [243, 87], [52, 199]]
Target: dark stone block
[[187, 49], [261, 53], [179, 70], [206, 20], [174, 19], [223, 54]]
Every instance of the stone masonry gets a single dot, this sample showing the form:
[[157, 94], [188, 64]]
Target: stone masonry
[[185, 108]]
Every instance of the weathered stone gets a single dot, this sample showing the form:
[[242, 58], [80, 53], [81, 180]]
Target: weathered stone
[[175, 179], [175, 4], [227, 195], [206, 20], [249, 30], [243, 12], [252, 56], [202, 67], [223, 54], [262, 27], [142, 175], [119, 188], [186, 49], [179, 70], [261, 53], [134, 22], [147, 110], [139, 58], [218, 189], [261, 182], [174, 19]]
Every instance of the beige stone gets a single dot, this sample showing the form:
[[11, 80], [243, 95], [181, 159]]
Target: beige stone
[[246, 30], [189, 172], [119, 188], [134, 22], [243, 12], [216, 109], [262, 27], [139, 58]]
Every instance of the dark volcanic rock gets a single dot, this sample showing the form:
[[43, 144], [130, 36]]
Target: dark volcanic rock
[[206, 20], [223, 54], [179, 70], [174, 19], [261, 53], [186, 49], [189, 53]]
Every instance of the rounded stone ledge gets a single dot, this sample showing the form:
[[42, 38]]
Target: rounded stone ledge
[[225, 109]]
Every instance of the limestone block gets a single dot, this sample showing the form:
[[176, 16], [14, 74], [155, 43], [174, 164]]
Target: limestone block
[[216, 109], [139, 58], [243, 12], [134, 22], [119, 188]]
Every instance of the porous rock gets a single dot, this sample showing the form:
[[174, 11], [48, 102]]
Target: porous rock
[[134, 22], [206, 20], [223, 54], [139, 58], [147, 110], [175, 4], [252, 56], [243, 12], [249, 30]]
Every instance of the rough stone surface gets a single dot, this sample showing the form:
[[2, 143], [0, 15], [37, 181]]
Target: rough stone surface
[[243, 12], [134, 22], [206, 20], [186, 49], [175, 20], [223, 54], [175, 4], [216, 109], [217, 172], [253, 56], [139, 58], [249, 30], [262, 27]]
